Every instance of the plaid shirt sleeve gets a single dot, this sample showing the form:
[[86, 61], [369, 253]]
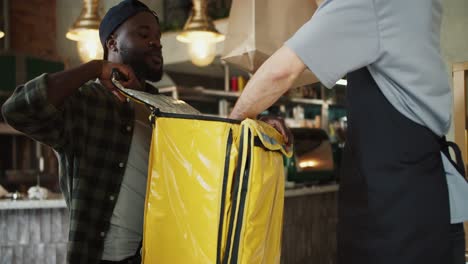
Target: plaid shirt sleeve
[[89, 132], [29, 111]]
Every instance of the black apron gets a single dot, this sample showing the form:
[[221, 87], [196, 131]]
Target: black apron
[[393, 200]]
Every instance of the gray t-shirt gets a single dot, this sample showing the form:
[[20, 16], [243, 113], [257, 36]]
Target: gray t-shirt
[[126, 224], [398, 41]]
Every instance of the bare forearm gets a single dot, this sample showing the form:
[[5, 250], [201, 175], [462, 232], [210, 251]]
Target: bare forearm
[[261, 92], [62, 84], [271, 81]]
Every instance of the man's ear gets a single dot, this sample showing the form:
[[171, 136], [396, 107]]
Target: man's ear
[[111, 43]]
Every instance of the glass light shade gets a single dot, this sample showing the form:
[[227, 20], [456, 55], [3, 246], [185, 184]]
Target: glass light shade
[[89, 45], [89, 19], [79, 33], [201, 46], [202, 52], [190, 36]]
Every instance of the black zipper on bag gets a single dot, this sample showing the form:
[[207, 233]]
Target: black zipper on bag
[[235, 190], [158, 113], [223, 195], [243, 193], [244, 190]]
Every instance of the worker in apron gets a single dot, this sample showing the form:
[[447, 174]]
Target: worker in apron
[[394, 194], [393, 201]]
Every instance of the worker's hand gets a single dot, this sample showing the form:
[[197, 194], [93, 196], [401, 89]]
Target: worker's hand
[[280, 126], [128, 78]]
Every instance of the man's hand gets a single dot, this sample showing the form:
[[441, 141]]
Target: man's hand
[[280, 126], [128, 80], [61, 85]]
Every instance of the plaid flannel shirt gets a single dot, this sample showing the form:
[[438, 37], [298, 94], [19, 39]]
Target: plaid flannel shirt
[[91, 133]]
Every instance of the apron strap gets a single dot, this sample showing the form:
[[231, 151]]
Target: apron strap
[[458, 163], [138, 252]]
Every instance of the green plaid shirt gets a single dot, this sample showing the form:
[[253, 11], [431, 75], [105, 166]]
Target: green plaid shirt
[[91, 134]]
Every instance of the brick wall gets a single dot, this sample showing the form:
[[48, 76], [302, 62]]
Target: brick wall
[[33, 28]]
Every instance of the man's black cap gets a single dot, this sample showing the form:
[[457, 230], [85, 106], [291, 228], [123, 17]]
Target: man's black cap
[[117, 15]]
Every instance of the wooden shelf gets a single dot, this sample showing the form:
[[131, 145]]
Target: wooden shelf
[[221, 97], [222, 94], [235, 95], [306, 101], [6, 129]]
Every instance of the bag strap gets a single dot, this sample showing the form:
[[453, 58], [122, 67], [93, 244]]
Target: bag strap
[[458, 163]]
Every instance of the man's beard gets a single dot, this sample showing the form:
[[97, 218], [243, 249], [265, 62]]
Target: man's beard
[[136, 59]]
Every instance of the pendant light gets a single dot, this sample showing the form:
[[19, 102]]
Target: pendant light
[[85, 31], [201, 35]]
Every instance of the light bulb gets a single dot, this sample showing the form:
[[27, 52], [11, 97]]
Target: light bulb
[[1, 34], [202, 52], [308, 164], [201, 46], [89, 45]]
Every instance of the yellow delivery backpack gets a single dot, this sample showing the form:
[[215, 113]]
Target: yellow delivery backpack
[[215, 188]]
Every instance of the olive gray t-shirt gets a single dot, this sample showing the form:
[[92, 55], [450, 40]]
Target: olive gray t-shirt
[[397, 40], [126, 224]]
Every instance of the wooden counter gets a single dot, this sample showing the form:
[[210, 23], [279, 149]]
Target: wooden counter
[[36, 231], [33, 231], [309, 228]]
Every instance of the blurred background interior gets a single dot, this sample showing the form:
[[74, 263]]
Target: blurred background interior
[[51, 35], [36, 40]]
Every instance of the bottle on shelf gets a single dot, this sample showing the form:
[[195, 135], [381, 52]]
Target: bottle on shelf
[[234, 84], [241, 83]]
